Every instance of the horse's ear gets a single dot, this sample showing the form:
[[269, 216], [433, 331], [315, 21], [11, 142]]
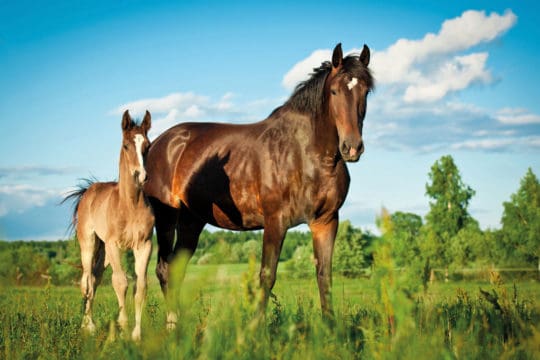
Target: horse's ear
[[147, 122], [337, 56], [126, 121], [364, 56]]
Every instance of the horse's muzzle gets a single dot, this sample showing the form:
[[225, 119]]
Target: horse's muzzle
[[351, 153], [140, 177]]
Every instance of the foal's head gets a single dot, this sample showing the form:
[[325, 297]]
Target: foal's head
[[135, 144], [346, 89]]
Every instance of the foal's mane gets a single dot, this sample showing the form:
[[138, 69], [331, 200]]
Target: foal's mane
[[307, 97]]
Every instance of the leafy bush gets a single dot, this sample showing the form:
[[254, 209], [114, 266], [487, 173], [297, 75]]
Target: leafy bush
[[302, 263]]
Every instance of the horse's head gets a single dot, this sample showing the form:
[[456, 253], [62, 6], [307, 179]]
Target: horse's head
[[135, 144], [346, 89]]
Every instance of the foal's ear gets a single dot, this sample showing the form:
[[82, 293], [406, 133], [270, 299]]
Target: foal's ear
[[126, 121], [147, 122], [337, 56], [364, 56]]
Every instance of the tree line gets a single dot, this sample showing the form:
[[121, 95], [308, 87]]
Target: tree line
[[448, 238]]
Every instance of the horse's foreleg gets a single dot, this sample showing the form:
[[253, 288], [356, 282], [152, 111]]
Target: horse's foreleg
[[119, 281], [273, 237], [142, 256], [166, 218], [87, 244], [324, 234], [188, 230]]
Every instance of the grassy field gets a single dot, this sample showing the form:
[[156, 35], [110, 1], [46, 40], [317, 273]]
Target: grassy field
[[374, 319]]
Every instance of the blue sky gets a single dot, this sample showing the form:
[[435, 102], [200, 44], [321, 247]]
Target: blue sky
[[457, 77]]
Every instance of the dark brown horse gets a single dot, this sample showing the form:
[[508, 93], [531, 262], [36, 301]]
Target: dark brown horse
[[286, 170], [114, 216]]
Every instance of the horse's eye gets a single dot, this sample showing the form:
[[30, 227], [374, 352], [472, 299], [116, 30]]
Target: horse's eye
[[125, 146], [334, 92]]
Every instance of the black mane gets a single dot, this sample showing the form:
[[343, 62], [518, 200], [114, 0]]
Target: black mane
[[307, 97]]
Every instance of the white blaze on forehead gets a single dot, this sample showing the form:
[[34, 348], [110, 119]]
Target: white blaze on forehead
[[352, 83], [139, 140]]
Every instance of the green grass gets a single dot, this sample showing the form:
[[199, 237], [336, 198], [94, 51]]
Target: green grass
[[219, 321]]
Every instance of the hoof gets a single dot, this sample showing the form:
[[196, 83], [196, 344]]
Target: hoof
[[88, 326], [136, 335], [171, 321]]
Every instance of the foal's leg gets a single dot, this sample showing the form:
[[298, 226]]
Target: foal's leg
[[142, 256], [99, 263], [119, 281], [87, 243], [273, 236], [324, 234]]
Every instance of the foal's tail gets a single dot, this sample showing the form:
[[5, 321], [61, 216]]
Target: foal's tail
[[76, 196]]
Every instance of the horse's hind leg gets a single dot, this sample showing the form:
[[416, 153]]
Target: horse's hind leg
[[273, 236], [166, 218], [119, 281], [99, 262], [87, 243], [165, 222], [142, 256], [188, 229]]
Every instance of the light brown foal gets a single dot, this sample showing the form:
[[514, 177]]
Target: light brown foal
[[115, 216]]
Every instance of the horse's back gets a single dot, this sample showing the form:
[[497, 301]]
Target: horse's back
[[192, 154], [93, 207]]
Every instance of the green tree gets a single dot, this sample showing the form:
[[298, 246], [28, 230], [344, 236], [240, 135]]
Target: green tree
[[349, 255], [302, 263], [405, 237], [466, 246], [448, 213], [521, 221], [293, 240]]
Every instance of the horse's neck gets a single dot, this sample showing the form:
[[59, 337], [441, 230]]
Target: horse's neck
[[326, 136], [129, 192], [320, 132]]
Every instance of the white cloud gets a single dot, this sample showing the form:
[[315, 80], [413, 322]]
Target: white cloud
[[446, 125], [455, 74], [161, 105], [517, 116], [431, 68], [20, 197], [498, 144], [398, 62], [29, 171], [174, 108]]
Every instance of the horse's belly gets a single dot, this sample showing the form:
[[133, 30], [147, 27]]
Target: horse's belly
[[235, 220]]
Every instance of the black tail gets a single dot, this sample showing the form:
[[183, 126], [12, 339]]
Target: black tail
[[76, 196]]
